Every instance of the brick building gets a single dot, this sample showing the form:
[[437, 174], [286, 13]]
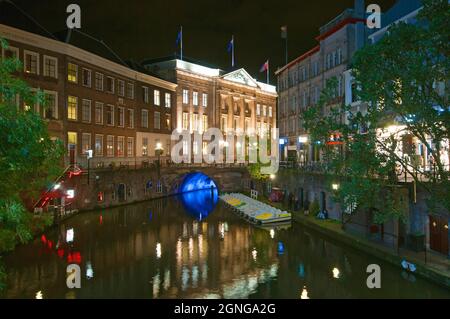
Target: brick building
[[94, 103], [301, 81]]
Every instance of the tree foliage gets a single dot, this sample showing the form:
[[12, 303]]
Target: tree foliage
[[29, 158]]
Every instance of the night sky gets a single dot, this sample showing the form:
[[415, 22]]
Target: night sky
[[138, 29]]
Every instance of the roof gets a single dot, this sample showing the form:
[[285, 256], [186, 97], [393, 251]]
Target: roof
[[299, 59], [400, 9]]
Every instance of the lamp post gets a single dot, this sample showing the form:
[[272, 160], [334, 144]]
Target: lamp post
[[89, 156], [159, 151]]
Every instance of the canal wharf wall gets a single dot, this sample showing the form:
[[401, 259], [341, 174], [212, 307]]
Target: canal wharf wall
[[110, 188]]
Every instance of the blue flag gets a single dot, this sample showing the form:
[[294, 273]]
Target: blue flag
[[230, 46], [180, 34]]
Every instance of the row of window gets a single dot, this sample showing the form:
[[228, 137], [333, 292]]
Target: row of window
[[265, 110], [261, 127], [109, 145], [303, 73], [31, 62], [106, 114], [195, 98], [31, 65], [109, 85], [308, 97], [193, 122]]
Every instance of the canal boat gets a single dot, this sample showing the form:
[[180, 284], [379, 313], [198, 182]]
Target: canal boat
[[255, 211]]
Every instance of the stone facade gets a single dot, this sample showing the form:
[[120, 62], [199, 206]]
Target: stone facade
[[211, 98]]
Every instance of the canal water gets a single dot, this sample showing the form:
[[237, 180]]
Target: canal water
[[194, 247]]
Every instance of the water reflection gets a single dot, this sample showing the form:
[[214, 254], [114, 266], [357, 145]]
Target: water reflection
[[169, 255], [200, 204]]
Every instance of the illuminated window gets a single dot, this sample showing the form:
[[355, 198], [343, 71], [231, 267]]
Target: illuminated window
[[120, 146], [130, 146], [270, 111], [258, 109], [205, 100], [72, 73], [156, 97], [168, 102], [264, 110], [72, 138], [168, 120], [72, 108], [195, 98], [185, 96], [204, 122], [50, 67], [185, 120], [144, 146], [194, 122], [98, 145], [110, 146]]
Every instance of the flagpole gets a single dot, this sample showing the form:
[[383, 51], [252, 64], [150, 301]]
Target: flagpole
[[268, 71], [232, 51], [181, 43]]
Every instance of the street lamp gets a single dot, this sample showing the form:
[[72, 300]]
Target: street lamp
[[89, 154], [159, 151]]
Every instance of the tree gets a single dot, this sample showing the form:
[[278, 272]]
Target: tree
[[29, 158], [403, 81]]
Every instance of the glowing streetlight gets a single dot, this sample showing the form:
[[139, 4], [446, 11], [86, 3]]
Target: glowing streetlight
[[335, 186], [336, 273]]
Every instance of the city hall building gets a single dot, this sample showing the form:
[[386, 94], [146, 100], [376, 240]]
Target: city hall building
[[208, 97]]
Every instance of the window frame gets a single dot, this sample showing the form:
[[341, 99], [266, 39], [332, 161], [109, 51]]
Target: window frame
[[103, 82], [68, 73], [89, 85], [44, 59], [32, 53]]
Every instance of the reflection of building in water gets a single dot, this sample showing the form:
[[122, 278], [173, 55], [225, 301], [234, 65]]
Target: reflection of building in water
[[131, 254]]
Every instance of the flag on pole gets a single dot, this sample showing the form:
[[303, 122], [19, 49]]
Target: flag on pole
[[230, 45], [265, 67], [179, 41], [230, 48], [284, 32]]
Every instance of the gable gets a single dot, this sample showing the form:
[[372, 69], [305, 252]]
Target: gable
[[240, 76]]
